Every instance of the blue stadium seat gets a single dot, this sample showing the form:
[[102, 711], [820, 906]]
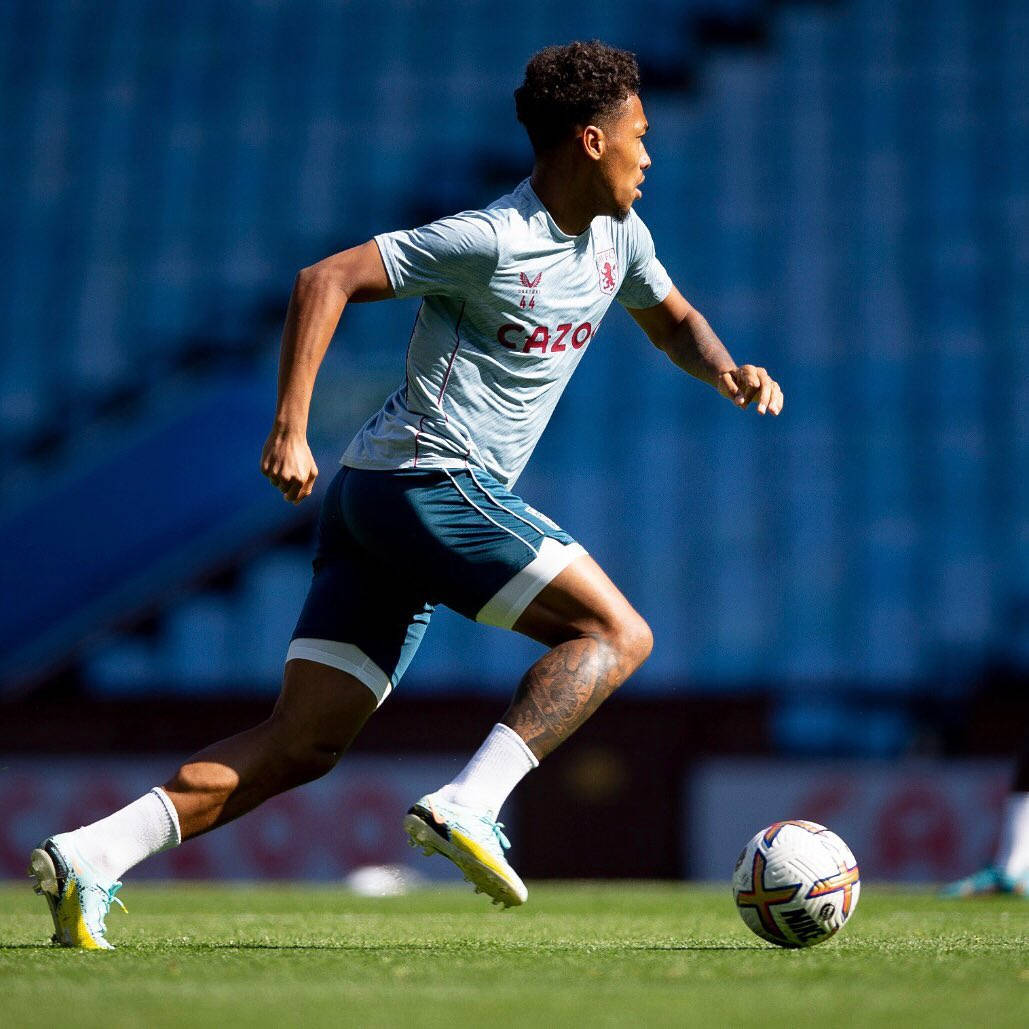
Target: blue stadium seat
[[846, 202]]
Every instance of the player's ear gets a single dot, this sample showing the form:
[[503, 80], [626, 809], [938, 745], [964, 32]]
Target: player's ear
[[593, 142]]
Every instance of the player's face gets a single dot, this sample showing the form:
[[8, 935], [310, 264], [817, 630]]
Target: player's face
[[625, 158]]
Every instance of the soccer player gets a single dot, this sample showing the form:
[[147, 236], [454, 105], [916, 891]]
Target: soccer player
[[423, 511], [1009, 872]]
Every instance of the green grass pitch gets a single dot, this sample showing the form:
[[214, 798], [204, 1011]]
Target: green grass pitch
[[577, 954]]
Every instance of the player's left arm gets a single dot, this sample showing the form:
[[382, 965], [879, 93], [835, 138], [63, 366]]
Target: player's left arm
[[679, 330]]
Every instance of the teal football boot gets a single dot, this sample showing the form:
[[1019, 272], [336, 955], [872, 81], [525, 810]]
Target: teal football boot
[[987, 881], [78, 900], [472, 840]]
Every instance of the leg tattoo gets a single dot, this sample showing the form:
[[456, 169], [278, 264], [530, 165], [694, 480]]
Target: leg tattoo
[[561, 690]]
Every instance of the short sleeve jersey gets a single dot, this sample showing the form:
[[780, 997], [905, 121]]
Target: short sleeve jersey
[[510, 305]]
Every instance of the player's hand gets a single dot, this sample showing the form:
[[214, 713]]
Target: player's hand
[[289, 465], [748, 384]]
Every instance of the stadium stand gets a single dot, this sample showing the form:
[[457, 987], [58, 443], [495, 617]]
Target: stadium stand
[[821, 189]]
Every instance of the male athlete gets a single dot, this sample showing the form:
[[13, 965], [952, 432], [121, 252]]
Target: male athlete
[[422, 511]]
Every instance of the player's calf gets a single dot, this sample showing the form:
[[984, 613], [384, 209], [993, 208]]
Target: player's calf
[[596, 639], [318, 714], [567, 685]]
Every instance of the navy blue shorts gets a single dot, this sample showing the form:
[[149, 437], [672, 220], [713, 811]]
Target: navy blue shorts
[[394, 544]]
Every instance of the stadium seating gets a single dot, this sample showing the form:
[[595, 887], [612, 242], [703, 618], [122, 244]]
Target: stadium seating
[[844, 196]]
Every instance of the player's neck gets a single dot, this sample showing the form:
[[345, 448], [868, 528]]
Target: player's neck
[[567, 200]]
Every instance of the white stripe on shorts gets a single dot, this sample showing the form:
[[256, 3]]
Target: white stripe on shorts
[[492, 521], [503, 507], [347, 658], [504, 608]]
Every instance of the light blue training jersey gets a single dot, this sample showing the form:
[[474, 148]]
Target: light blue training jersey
[[510, 305]]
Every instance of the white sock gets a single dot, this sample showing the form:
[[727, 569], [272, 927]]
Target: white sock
[[1013, 848], [116, 843], [495, 769]]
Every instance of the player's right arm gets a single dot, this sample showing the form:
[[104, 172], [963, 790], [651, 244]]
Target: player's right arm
[[319, 295]]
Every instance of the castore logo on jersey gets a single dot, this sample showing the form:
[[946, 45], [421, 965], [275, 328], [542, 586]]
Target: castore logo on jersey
[[530, 287]]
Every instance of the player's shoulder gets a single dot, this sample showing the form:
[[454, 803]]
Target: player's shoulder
[[515, 211], [474, 224], [518, 222], [466, 236]]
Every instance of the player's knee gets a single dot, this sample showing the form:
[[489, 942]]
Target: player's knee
[[644, 642], [630, 642], [307, 752], [310, 759], [635, 641]]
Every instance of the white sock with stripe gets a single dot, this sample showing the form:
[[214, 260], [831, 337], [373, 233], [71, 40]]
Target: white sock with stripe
[[495, 769], [116, 843]]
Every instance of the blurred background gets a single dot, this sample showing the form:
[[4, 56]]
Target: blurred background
[[840, 597]]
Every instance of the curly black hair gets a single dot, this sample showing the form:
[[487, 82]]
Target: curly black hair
[[568, 86]]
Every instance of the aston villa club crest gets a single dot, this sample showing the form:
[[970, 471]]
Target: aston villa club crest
[[530, 287], [607, 266]]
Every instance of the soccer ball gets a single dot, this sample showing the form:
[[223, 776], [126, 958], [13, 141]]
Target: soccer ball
[[796, 883]]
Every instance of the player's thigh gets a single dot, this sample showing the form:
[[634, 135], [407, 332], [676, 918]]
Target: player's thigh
[[490, 552], [362, 616], [485, 553], [582, 600], [469, 542], [504, 563], [321, 706]]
